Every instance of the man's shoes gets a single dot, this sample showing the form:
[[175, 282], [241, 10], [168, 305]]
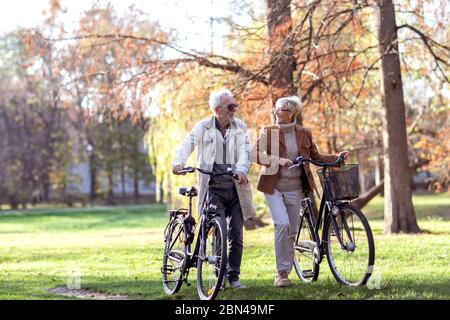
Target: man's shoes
[[282, 280], [237, 285]]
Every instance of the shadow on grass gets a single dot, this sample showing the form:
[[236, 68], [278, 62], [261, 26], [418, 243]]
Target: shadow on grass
[[432, 232], [75, 220], [263, 289]]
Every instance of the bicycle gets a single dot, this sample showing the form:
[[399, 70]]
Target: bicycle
[[347, 239], [209, 255]]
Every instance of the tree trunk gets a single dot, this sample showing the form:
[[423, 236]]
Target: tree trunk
[[379, 172], [110, 197], [169, 191], [399, 212], [14, 204], [46, 187], [161, 192], [65, 194], [136, 185], [93, 175], [122, 181], [362, 171], [282, 59]]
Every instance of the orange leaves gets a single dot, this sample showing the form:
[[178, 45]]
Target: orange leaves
[[55, 5], [436, 148]]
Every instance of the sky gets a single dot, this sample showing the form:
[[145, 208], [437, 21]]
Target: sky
[[191, 17]]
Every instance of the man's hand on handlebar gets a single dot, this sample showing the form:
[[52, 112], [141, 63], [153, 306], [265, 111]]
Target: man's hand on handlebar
[[177, 168], [239, 176]]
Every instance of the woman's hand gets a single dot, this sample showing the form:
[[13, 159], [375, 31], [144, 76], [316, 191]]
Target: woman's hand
[[285, 162], [343, 154]]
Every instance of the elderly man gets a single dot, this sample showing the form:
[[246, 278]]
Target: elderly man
[[222, 142]]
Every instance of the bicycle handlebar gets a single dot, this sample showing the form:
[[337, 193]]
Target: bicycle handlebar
[[300, 161], [211, 173]]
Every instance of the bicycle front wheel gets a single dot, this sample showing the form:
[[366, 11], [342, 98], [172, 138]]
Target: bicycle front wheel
[[174, 258], [351, 258], [212, 259], [306, 252]]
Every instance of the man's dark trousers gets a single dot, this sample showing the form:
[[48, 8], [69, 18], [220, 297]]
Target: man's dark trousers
[[227, 202]]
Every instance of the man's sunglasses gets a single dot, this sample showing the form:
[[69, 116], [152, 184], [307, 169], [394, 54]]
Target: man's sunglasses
[[231, 107]]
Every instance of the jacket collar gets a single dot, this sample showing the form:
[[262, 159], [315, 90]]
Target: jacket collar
[[298, 130], [211, 124]]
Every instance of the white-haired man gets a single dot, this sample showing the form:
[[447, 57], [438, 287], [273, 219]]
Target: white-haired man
[[222, 142]]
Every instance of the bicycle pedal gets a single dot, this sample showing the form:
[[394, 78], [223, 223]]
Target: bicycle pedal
[[167, 270], [308, 273]]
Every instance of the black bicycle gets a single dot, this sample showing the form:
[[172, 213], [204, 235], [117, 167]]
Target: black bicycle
[[346, 240], [209, 255]]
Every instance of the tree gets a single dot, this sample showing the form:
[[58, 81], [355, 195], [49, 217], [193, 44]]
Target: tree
[[323, 50], [281, 49], [399, 210], [36, 142]]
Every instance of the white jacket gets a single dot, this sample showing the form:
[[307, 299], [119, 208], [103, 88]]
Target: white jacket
[[203, 139]]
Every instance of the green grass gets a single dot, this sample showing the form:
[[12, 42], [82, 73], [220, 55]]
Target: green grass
[[118, 251], [433, 206]]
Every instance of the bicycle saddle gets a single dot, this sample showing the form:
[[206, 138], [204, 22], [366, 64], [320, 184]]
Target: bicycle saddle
[[188, 192]]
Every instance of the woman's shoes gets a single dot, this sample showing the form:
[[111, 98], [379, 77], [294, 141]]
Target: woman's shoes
[[282, 280]]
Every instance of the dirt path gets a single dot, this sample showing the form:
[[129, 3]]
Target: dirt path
[[86, 294]]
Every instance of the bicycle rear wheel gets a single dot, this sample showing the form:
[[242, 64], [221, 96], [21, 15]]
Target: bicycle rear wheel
[[306, 252], [174, 258], [351, 261], [212, 259]]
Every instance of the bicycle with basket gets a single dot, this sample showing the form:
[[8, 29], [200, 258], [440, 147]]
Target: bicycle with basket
[[346, 238]]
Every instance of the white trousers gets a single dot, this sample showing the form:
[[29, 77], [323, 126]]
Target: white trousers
[[285, 211]]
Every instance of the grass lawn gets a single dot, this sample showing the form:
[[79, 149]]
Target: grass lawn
[[119, 250]]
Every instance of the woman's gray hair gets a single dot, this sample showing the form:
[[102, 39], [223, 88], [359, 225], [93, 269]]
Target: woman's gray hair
[[215, 98], [293, 103]]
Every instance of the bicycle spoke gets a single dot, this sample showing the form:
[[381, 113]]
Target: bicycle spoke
[[173, 260], [304, 262], [211, 268], [350, 257]]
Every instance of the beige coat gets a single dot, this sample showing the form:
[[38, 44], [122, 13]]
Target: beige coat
[[202, 139]]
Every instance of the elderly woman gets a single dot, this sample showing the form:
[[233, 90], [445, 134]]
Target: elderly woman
[[277, 147]]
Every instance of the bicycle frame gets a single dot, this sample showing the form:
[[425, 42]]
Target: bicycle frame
[[183, 256], [189, 221], [326, 206]]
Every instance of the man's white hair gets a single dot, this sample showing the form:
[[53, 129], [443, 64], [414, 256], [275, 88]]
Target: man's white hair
[[294, 103], [215, 98]]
